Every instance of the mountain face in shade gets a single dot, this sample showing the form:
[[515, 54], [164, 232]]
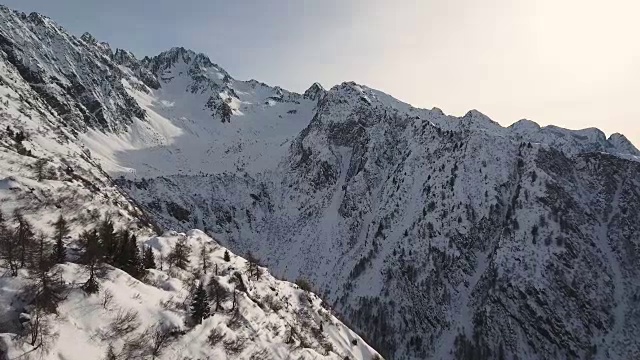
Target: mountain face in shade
[[432, 236]]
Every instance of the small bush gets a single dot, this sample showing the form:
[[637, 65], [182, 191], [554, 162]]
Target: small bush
[[234, 346], [236, 321], [273, 303], [124, 323], [260, 355], [303, 284], [136, 347], [107, 297], [328, 347], [214, 337], [161, 336], [171, 304], [236, 279]]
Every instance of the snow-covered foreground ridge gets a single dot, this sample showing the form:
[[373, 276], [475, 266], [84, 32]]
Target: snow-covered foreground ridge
[[272, 319]]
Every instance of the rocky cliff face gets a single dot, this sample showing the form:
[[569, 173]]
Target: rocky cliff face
[[75, 77], [434, 236]]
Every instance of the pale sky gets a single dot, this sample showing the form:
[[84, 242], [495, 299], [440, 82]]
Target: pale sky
[[570, 63]]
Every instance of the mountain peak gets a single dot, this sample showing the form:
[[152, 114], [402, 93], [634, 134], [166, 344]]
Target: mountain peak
[[88, 38], [175, 55], [124, 57], [622, 144], [314, 92], [437, 111], [39, 19], [475, 114], [186, 55], [477, 120], [525, 124]]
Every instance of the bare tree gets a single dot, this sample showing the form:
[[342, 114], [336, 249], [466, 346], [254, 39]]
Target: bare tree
[[124, 323], [38, 332], [235, 299], [289, 335], [217, 293], [204, 258], [111, 355], [48, 287], [137, 346], [35, 327], [236, 279], [253, 265], [107, 297], [160, 339], [214, 337]]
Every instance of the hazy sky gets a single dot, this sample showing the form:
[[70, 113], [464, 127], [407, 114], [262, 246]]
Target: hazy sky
[[573, 63]]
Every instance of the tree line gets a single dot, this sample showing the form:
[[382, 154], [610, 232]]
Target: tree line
[[22, 247], [37, 256], [214, 294]]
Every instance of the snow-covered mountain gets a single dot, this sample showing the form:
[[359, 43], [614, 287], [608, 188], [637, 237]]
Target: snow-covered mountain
[[270, 319], [436, 237]]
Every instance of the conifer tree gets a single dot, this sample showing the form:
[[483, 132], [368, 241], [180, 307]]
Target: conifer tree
[[226, 257], [8, 247], [134, 260], [41, 168], [122, 252], [127, 254], [60, 230], [93, 257], [148, 260], [179, 255], [24, 238], [108, 240], [200, 305]]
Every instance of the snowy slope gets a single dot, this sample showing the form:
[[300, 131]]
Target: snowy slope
[[185, 132], [435, 236], [451, 235], [70, 182], [258, 329]]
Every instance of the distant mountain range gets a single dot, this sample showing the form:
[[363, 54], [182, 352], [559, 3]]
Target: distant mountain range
[[432, 236]]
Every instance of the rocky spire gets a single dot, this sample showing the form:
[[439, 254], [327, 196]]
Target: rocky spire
[[314, 92]]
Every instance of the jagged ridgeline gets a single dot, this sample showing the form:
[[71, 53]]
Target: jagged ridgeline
[[432, 236]]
